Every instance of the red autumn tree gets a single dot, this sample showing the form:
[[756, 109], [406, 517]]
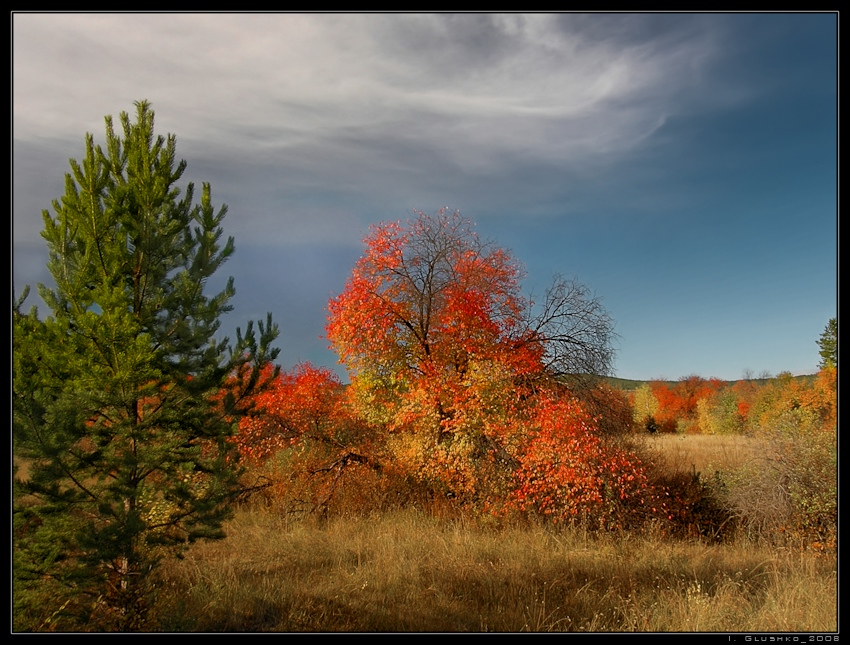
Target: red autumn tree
[[442, 346]]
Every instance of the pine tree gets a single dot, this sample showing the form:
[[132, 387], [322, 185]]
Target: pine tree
[[828, 343], [120, 411]]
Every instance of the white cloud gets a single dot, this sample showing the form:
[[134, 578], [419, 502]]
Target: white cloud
[[273, 107], [486, 85]]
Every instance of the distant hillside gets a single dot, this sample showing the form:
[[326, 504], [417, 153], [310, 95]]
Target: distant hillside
[[628, 384]]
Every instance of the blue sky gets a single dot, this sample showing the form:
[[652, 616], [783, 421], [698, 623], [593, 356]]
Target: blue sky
[[682, 166]]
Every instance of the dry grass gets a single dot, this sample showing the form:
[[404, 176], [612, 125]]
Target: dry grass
[[406, 572], [701, 453]]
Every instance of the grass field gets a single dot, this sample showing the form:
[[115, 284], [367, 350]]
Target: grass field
[[701, 453], [405, 571]]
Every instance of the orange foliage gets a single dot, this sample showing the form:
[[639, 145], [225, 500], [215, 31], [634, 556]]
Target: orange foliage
[[450, 393], [304, 403], [568, 471], [679, 401], [814, 403], [431, 324], [426, 309]]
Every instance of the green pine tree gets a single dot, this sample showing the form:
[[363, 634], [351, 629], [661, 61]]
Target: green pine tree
[[828, 343], [123, 400]]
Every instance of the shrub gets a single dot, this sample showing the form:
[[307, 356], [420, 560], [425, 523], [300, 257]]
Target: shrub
[[720, 413], [570, 472], [792, 491]]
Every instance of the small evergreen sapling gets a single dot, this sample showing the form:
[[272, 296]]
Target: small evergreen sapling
[[119, 410]]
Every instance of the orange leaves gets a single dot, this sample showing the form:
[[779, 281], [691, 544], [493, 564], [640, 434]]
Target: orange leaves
[[306, 402], [426, 296], [808, 406], [450, 374], [443, 352], [570, 472], [679, 401], [802, 405]]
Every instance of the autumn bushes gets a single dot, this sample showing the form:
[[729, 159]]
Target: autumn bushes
[[789, 490], [541, 454], [550, 459], [466, 396], [568, 471], [709, 406], [456, 381], [793, 490]]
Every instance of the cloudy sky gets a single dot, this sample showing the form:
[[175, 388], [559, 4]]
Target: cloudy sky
[[683, 166]]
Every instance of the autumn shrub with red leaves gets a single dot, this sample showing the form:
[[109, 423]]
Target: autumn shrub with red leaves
[[459, 390], [571, 473], [302, 403], [302, 440], [547, 457]]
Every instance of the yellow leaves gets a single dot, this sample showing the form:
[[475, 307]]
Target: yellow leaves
[[797, 406]]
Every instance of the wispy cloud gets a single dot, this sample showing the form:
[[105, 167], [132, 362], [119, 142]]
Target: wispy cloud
[[479, 86]]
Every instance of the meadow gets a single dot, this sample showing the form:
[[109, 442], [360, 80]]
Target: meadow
[[414, 570], [702, 453]]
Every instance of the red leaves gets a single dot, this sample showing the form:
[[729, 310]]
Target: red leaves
[[680, 400], [448, 377], [436, 335], [426, 296], [570, 472], [306, 402]]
